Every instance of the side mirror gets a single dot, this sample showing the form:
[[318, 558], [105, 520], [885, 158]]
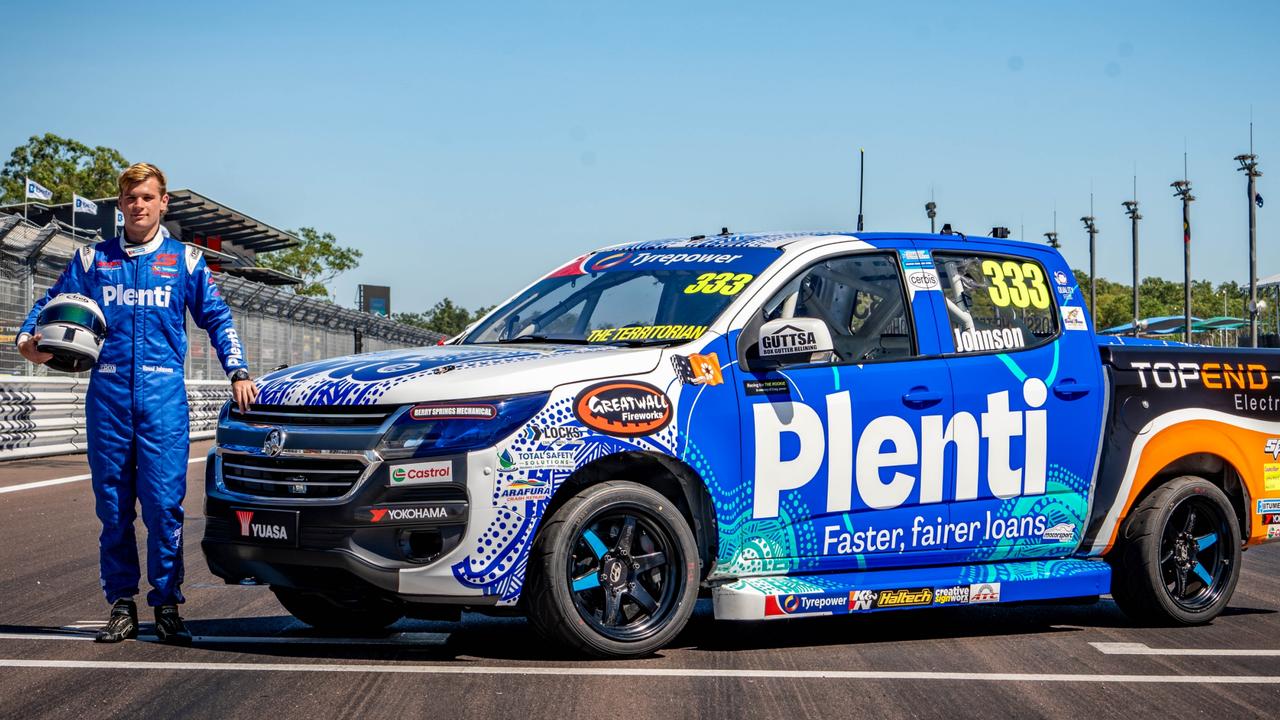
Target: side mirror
[[791, 341]]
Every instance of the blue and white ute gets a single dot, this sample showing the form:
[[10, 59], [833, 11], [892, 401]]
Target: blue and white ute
[[794, 424]]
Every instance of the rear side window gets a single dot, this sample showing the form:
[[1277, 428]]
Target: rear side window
[[996, 303]]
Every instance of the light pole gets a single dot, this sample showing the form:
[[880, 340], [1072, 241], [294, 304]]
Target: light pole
[[1053, 240], [1182, 189], [1249, 166], [1131, 209], [931, 209], [1092, 229], [1222, 334]]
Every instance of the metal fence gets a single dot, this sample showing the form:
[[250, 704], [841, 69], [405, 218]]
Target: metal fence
[[45, 415], [276, 327]]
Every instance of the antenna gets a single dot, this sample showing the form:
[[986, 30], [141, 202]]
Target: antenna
[[862, 166]]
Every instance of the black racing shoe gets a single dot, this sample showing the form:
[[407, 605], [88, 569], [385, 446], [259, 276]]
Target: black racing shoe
[[121, 625], [169, 626]]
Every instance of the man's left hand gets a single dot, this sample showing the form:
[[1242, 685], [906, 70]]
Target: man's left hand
[[244, 392]]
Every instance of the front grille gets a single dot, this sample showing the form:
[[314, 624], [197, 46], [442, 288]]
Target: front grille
[[290, 477], [315, 416]]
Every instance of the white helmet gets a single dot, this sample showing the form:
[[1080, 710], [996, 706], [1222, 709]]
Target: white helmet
[[72, 328]]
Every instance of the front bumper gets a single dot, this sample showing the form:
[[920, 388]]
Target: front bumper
[[362, 540]]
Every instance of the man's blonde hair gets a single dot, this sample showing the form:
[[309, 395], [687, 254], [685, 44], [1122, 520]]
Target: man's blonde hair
[[137, 174]]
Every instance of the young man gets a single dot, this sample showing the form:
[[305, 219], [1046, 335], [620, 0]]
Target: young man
[[136, 408]]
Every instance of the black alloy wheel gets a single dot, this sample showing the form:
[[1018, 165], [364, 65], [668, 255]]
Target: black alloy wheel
[[1177, 559], [1193, 563], [613, 572], [622, 582]]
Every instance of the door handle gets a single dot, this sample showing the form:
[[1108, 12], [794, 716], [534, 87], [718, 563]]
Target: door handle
[[921, 397], [1069, 389]]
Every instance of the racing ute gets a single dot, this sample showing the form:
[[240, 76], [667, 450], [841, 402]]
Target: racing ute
[[803, 424]]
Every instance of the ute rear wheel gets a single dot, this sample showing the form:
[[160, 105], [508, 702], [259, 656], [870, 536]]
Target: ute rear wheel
[[332, 615], [614, 572], [1177, 560]]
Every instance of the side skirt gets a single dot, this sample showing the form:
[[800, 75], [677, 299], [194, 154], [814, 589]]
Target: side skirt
[[772, 598]]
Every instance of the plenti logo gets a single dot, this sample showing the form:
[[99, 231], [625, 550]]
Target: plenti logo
[[893, 459]]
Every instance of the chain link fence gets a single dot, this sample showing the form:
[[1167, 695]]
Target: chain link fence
[[276, 327]]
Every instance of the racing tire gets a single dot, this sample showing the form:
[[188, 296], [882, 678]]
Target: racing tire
[[1178, 558], [330, 615], [613, 572]]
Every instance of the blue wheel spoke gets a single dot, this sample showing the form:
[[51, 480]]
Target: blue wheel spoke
[[1207, 541], [593, 540], [586, 582], [1203, 574]]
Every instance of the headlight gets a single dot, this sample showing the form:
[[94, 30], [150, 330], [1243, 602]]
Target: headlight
[[450, 427]]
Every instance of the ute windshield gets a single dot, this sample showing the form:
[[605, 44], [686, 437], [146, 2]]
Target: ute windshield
[[628, 298]]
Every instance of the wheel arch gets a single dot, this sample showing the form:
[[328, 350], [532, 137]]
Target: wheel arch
[[1212, 467], [672, 478], [1211, 450]]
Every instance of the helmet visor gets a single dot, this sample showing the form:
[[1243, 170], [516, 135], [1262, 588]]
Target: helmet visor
[[74, 314]]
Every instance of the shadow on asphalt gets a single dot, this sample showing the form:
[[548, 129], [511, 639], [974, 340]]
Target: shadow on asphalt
[[483, 637], [1229, 611]]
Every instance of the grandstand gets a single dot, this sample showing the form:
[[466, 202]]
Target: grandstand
[[276, 326]]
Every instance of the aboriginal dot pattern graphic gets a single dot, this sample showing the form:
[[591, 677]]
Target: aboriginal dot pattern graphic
[[499, 556], [366, 379]]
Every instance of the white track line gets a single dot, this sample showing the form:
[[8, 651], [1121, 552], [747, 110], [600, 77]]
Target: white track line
[[70, 479], [1121, 648], [632, 672], [423, 639]]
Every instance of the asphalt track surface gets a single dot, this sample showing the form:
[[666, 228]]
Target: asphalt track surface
[[251, 660]]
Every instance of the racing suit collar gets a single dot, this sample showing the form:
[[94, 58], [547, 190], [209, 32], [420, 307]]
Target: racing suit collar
[[132, 250]]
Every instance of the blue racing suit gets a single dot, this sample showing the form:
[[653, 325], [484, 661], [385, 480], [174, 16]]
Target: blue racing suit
[[136, 406]]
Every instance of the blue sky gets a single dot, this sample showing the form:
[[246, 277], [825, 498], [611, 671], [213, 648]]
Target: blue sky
[[467, 147]]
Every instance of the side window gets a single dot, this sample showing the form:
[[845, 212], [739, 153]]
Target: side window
[[996, 303], [860, 297]]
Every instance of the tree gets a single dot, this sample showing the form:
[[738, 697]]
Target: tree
[[1164, 298], [317, 260], [63, 165], [444, 317]]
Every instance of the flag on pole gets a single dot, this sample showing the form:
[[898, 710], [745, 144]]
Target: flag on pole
[[119, 219], [38, 191], [83, 205]]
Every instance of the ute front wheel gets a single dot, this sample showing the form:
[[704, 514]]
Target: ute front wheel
[[613, 572]]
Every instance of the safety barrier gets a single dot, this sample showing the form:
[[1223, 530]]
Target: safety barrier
[[45, 415]]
